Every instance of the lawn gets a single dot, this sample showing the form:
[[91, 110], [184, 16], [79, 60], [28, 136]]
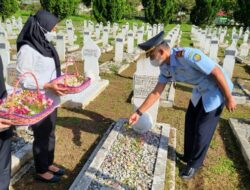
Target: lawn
[[78, 132]]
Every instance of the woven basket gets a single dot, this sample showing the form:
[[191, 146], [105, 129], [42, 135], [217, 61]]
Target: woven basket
[[72, 89], [19, 119]]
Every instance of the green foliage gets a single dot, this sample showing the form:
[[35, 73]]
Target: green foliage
[[185, 5], [158, 11], [61, 8], [205, 11], [242, 14], [130, 10], [87, 2], [108, 10], [8, 7]]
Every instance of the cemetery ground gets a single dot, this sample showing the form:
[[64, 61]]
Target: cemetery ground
[[79, 131]]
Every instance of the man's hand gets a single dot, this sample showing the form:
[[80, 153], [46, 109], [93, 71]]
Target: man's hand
[[133, 118], [4, 123], [60, 91], [231, 104]]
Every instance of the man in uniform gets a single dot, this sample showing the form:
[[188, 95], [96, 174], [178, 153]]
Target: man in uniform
[[212, 91]]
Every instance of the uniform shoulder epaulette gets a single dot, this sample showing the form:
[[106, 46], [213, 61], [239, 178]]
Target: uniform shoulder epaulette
[[179, 52]]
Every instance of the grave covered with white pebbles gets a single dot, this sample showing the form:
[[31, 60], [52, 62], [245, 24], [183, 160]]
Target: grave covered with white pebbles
[[127, 160]]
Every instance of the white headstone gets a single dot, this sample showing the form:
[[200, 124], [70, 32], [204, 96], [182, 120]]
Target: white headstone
[[119, 45], [60, 46], [9, 27], [246, 36], [244, 49], [149, 35], [97, 32], [5, 55], [71, 35], [86, 36], [105, 36], [139, 36], [91, 53], [214, 47], [145, 79], [229, 60], [130, 42], [207, 44]]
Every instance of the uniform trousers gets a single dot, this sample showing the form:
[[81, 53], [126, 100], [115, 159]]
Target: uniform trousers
[[199, 129]]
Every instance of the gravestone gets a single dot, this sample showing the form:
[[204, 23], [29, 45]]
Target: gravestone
[[149, 34], [154, 29], [135, 27], [229, 60], [97, 32], [207, 44], [5, 55], [130, 45], [222, 36], [105, 37], [86, 36], [244, 49], [12, 75], [19, 24], [115, 29], [60, 46], [240, 32], [9, 27], [214, 47], [119, 45], [124, 31], [71, 35], [91, 53], [139, 36], [245, 38], [145, 79]]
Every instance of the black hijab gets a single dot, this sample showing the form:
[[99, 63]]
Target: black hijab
[[32, 34], [3, 91]]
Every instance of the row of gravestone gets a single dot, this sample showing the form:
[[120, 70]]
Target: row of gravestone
[[121, 35], [208, 41], [12, 26]]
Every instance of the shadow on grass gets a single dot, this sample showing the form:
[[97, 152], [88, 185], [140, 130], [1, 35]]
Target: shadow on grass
[[125, 77], [66, 179], [96, 124], [129, 99], [247, 69], [234, 154]]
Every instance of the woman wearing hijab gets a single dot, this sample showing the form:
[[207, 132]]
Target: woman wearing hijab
[[5, 140], [37, 55]]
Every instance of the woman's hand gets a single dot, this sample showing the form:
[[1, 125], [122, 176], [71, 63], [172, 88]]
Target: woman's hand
[[59, 90], [231, 104], [134, 118], [5, 123]]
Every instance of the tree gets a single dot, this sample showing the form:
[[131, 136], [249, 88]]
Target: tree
[[185, 5], [87, 2], [158, 11], [7, 8], [60, 8], [108, 10], [205, 11], [242, 13]]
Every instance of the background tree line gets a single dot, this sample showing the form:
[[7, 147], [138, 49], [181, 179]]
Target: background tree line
[[153, 11]]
